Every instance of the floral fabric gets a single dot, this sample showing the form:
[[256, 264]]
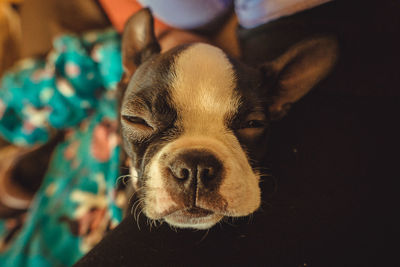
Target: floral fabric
[[73, 89]]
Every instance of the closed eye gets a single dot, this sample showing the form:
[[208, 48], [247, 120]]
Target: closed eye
[[137, 122], [253, 126]]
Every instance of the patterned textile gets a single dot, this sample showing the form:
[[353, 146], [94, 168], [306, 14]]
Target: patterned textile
[[73, 89]]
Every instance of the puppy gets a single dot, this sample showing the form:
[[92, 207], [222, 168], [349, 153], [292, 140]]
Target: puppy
[[193, 121]]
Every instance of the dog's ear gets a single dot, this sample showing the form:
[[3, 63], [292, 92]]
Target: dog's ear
[[298, 70], [138, 41]]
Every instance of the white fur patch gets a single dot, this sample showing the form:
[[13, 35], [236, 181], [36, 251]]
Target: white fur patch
[[203, 89], [157, 200]]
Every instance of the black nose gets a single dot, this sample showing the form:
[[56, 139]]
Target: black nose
[[196, 168]]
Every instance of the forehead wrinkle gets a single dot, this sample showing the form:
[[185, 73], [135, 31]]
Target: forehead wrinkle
[[136, 105], [203, 88]]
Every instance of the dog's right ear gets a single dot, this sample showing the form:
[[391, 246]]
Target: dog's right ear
[[298, 70], [138, 41]]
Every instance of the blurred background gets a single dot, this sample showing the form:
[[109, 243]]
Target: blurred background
[[335, 156]]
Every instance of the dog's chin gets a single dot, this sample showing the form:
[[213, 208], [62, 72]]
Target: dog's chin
[[195, 218]]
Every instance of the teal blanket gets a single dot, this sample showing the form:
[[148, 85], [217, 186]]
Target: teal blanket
[[73, 89]]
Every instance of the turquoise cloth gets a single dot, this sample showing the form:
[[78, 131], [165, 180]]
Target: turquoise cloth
[[72, 89]]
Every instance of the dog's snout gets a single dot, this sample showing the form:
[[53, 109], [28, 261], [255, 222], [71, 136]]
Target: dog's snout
[[196, 166]]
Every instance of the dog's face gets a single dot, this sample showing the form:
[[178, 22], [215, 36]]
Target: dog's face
[[190, 119], [183, 115]]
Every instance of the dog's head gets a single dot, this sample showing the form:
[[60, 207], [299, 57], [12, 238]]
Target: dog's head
[[192, 117]]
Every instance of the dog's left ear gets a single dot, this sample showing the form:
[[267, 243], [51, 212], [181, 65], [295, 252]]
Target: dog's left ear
[[298, 70], [138, 41]]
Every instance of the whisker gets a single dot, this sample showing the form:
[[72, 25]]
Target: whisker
[[149, 223], [204, 237], [173, 228], [137, 219], [228, 221], [137, 205], [250, 218], [122, 177]]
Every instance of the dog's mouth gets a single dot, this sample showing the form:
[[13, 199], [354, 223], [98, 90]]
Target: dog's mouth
[[195, 216], [195, 212]]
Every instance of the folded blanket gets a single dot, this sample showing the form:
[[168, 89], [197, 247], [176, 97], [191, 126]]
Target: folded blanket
[[72, 89]]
